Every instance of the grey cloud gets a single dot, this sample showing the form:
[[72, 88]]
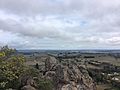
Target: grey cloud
[[32, 30], [86, 22], [90, 8]]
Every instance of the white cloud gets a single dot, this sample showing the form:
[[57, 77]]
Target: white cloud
[[60, 23]]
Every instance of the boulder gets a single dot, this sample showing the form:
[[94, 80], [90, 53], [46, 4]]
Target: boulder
[[50, 62], [28, 87], [28, 83]]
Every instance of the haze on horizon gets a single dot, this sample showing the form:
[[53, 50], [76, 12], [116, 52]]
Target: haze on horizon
[[60, 24]]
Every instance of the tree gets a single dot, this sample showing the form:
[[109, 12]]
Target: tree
[[11, 67], [13, 72]]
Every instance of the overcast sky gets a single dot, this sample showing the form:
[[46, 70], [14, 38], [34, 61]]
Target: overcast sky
[[60, 24]]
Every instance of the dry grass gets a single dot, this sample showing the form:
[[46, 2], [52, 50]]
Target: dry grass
[[102, 87], [106, 86]]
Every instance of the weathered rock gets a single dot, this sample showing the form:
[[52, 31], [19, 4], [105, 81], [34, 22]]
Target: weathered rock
[[47, 64], [69, 76], [50, 62], [50, 75], [28, 87], [28, 83]]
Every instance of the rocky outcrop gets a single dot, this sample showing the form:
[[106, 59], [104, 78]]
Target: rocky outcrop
[[69, 77], [50, 62], [28, 83]]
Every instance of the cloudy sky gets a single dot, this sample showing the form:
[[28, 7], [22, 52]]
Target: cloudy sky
[[60, 24]]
